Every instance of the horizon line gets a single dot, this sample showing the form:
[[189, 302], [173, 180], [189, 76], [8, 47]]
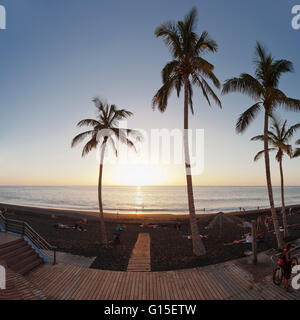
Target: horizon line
[[183, 185]]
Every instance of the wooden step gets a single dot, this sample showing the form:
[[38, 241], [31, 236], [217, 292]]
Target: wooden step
[[19, 257], [30, 266], [10, 248], [15, 252], [24, 262], [4, 245]]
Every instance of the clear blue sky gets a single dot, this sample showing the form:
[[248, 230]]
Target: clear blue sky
[[56, 55]]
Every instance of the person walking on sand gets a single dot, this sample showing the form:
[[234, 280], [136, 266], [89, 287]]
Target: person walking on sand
[[287, 266]]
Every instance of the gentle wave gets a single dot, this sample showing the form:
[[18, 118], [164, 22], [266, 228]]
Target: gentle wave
[[146, 199]]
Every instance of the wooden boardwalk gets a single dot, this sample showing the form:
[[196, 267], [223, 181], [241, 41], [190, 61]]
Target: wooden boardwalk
[[18, 288], [225, 281], [140, 259]]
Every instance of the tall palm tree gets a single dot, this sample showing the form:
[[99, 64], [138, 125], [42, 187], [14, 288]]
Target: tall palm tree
[[279, 137], [105, 131], [187, 68], [263, 89]]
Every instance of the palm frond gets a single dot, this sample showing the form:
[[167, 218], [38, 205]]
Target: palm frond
[[190, 20], [161, 97], [206, 89], [279, 99], [291, 131], [206, 69], [205, 43], [280, 67], [169, 70], [260, 153], [272, 140], [247, 117], [260, 53], [88, 122], [178, 84], [80, 137], [197, 81], [92, 144], [122, 135], [258, 138], [168, 31], [245, 84], [296, 153]]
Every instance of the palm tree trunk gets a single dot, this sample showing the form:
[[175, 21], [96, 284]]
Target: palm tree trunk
[[269, 182], [102, 221], [282, 201], [198, 247]]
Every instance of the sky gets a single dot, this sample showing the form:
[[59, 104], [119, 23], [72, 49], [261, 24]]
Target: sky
[[57, 55]]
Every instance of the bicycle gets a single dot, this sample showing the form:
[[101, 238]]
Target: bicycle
[[278, 271]]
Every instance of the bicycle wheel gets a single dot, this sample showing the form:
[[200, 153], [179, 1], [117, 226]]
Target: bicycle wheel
[[277, 276]]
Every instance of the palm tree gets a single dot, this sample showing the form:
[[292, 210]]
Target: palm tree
[[279, 137], [104, 131], [186, 69], [263, 88]]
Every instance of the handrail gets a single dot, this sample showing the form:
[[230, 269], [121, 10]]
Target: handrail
[[26, 230]]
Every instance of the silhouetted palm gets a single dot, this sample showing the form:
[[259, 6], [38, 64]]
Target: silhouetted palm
[[263, 88], [187, 68], [279, 138], [104, 131]]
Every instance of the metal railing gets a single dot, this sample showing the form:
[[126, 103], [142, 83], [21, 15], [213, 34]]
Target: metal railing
[[37, 241]]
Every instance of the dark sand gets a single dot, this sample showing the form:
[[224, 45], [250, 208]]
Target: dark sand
[[169, 250]]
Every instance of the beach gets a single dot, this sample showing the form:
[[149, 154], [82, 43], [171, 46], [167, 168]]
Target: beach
[[169, 247]]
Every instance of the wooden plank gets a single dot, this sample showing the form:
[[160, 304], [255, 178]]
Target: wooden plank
[[140, 259], [223, 281]]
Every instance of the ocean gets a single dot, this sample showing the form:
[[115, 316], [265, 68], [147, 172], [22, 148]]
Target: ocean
[[160, 199]]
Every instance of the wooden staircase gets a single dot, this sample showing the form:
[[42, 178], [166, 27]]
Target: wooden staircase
[[19, 256]]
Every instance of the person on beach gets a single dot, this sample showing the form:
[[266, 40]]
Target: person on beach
[[267, 221], [116, 239], [259, 222], [287, 265]]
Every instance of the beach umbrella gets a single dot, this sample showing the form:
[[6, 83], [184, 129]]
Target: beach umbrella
[[221, 221]]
